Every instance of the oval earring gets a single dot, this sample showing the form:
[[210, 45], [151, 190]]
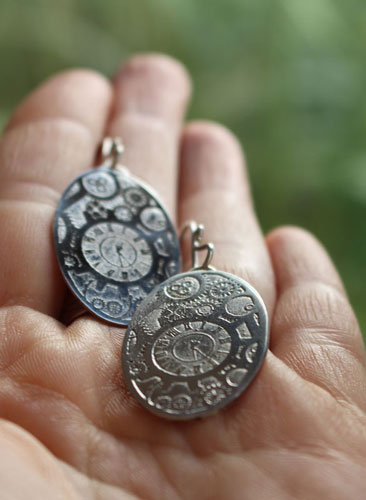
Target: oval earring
[[114, 240]]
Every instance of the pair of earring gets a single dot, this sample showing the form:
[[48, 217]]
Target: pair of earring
[[195, 340]]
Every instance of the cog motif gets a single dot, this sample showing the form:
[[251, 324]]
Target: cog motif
[[221, 290], [183, 288], [153, 218], [135, 197], [99, 184]]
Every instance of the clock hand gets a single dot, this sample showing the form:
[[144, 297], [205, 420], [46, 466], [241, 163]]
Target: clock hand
[[119, 249], [196, 349]]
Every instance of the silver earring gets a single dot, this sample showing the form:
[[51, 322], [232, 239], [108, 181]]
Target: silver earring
[[114, 240], [196, 342]]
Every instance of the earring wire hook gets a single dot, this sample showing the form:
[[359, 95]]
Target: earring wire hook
[[112, 149], [196, 231]]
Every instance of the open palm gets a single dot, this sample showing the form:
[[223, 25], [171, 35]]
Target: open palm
[[69, 428]]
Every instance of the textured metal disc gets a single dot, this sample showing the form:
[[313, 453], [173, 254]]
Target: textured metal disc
[[194, 344], [114, 242]]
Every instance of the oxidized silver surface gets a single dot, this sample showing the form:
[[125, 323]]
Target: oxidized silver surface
[[195, 343], [114, 242]]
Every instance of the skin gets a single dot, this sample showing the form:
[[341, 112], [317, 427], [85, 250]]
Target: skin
[[69, 429]]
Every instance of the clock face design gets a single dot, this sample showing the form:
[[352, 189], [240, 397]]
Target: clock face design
[[194, 344], [117, 251], [191, 349]]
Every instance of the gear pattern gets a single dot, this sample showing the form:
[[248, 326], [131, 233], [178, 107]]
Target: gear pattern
[[211, 293], [183, 288], [136, 197], [221, 289]]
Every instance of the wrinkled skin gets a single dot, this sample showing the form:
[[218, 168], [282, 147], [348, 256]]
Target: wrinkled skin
[[69, 429]]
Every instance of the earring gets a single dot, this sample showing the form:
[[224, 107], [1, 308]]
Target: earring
[[197, 341], [114, 240]]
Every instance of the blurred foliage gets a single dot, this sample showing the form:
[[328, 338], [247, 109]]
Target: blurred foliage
[[288, 76]]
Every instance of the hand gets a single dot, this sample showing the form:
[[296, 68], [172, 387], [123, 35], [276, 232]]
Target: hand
[[69, 428]]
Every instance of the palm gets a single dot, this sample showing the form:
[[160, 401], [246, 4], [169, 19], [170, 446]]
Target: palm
[[297, 432]]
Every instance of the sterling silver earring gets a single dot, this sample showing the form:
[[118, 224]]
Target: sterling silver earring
[[114, 240], [196, 342]]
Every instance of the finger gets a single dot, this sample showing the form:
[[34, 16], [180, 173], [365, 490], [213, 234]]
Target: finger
[[214, 190], [51, 138], [151, 94], [314, 329]]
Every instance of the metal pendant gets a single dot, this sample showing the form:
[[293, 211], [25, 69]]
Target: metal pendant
[[196, 342], [114, 240]]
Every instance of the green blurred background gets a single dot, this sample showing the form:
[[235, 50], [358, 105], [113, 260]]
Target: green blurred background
[[288, 76]]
